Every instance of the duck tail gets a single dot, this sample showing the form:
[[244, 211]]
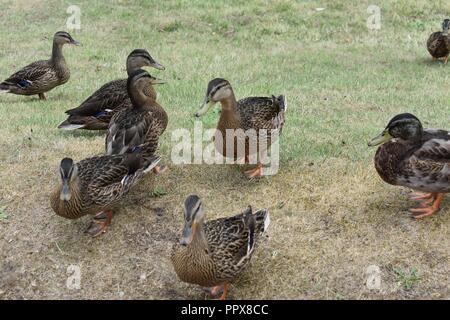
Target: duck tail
[[5, 88], [262, 220], [151, 163], [137, 168], [70, 124], [66, 125]]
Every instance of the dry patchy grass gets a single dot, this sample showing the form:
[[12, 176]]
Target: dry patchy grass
[[332, 217]]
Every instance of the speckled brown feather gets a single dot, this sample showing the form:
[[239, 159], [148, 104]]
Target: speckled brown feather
[[99, 184], [219, 252], [422, 165], [438, 45], [44, 75], [257, 113], [96, 112]]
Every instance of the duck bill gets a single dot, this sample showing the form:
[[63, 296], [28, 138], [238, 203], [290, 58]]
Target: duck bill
[[65, 191], [158, 81], [157, 65], [75, 43], [207, 104], [380, 139], [187, 235]]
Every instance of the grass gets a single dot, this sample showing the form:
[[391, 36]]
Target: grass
[[332, 216]]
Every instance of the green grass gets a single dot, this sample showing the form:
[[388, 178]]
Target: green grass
[[332, 216]]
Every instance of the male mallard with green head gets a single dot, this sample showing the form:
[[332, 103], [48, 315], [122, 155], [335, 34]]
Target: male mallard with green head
[[417, 158], [438, 43]]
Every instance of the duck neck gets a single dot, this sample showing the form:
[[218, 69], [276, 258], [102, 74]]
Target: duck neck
[[139, 99], [229, 113], [57, 55], [132, 67], [69, 208], [199, 240]]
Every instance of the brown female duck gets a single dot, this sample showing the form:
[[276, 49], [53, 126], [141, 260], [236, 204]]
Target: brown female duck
[[254, 114], [96, 111], [141, 124], [94, 185], [44, 75], [417, 158], [212, 254]]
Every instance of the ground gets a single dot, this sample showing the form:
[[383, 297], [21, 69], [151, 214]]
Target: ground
[[333, 218]]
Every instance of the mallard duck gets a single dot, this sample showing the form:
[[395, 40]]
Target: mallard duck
[[97, 110], [253, 113], [438, 43], [141, 124], [212, 254], [94, 185], [44, 75], [416, 158]]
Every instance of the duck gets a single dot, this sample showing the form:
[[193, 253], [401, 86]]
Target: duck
[[438, 43], [97, 110], [215, 253], [141, 124], [95, 185], [412, 156], [255, 115], [42, 76]]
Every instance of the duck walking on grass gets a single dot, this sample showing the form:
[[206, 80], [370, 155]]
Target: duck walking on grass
[[438, 43], [212, 254], [94, 185], [414, 157], [44, 75], [96, 111], [250, 114], [141, 124]]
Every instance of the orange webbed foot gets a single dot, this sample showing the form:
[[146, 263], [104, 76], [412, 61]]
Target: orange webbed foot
[[100, 223], [254, 173], [424, 210]]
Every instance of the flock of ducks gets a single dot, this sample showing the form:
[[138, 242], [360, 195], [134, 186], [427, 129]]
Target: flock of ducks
[[214, 253]]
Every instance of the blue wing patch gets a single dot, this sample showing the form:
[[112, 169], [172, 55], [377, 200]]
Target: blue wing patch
[[100, 114], [24, 83]]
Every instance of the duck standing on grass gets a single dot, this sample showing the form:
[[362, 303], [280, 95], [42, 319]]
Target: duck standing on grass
[[44, 75], [214, 253], [253, 113], [438, 43], [96, 111], [94, 185], [141, 124], [417, 158]]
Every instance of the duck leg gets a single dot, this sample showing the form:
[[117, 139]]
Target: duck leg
[[255, 172], [214, 291], [417, 196], [100, 223], [42, 96], [419, 213], [445, 59], [159, 169], [225, 291]]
